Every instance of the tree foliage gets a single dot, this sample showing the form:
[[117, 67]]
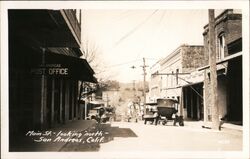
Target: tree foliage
[[110, 85]]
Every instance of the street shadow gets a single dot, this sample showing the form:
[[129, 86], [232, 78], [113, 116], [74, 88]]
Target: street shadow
[[105, 133], [122, 132], [90, 139]]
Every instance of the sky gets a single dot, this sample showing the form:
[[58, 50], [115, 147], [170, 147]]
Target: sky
[[125, 32], [125, 37]]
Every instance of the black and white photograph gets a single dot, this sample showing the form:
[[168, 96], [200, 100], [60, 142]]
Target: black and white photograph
[[124, 79]]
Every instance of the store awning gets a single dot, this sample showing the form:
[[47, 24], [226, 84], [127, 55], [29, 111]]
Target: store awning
[[228, 58], [192, 84], [46, 28], [68, 67]]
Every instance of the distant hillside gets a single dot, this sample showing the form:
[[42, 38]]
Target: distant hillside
[[138, 85]]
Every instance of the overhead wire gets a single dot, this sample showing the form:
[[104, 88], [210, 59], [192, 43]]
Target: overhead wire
[[135, 28], [125, 14], [125, 63], [152, 35]]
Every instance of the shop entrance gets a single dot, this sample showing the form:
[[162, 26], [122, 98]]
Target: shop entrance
[[234, 106], [193, 101]]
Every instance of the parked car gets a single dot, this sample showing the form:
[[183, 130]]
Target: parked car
[[101, 114], [151, 113], [165, 111]]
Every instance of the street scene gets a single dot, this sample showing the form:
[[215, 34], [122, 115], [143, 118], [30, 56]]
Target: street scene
[[89, 136], [126, 80]]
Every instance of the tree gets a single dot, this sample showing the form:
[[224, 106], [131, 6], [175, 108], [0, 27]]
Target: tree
[[93, 55], [110, 85], [90, 52]]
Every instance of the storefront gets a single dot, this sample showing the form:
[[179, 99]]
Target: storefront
[[229, 89], [193, 101], [44, 93], [44, 69]]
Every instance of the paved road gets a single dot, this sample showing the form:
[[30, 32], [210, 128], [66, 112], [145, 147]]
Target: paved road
[[136, 140], [168, 138], [128, 137]]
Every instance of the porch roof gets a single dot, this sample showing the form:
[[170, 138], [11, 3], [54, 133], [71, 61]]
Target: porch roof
[[228, 58]]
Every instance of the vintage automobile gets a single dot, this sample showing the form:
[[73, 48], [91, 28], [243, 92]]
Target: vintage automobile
[[151, 113], [166, 110], [101, 114]]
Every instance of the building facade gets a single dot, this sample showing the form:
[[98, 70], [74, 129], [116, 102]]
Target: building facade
[[172, 73], [155, 83], [184, 74], [228, 35], [44, 69]]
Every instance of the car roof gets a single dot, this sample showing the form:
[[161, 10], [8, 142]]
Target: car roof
[[150, 103], [98, 107]]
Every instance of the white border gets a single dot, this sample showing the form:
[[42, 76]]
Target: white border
[[123, 5]]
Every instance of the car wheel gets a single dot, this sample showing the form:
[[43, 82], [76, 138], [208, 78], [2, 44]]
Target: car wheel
[[181, 123], [164, 122]]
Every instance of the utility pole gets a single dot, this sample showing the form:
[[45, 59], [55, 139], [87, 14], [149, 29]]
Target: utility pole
[[144, 83], [213, 73], [134, 87], [107, 99], [133, 67]]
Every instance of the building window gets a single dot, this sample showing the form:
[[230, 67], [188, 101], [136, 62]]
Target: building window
[[221, 50], [235, 46]]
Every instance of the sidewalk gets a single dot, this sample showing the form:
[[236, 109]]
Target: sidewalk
[[27, 143], [226, 127]]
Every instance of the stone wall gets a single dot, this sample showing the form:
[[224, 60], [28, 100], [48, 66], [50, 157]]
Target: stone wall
[[192, 58]]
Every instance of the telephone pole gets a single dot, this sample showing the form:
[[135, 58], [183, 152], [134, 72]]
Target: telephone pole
[[133, 67], [144, 82], [213, 73], [134, 88]]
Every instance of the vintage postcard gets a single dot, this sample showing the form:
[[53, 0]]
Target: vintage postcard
[[124, 79]]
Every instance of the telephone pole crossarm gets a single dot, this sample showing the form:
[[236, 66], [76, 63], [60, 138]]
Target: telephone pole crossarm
[[155, 74]]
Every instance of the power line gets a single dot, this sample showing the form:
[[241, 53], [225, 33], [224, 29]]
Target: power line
[[152, 59], [176, 74], [135, 28], [116, 65], [149, 41], [125, 14]]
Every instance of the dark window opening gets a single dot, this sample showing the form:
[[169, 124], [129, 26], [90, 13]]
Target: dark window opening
[[235, 46]]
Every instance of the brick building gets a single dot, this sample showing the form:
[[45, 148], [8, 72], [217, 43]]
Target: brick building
[[228, 33], [170, 75], [184, 60], [44, 69]]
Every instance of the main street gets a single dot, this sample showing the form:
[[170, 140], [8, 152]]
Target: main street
[[167, 138], [131, 136]]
